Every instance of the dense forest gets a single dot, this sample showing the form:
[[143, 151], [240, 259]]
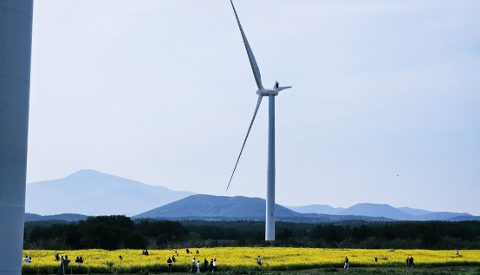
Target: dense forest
[[116, 232]]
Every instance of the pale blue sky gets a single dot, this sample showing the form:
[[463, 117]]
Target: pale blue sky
[[162, 92]]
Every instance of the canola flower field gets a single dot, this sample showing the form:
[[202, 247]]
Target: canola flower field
[[241, 258]]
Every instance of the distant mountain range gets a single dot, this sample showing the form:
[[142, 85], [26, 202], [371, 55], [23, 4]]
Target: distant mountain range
[[216, 207], [208, 207], [29, 217], [317, 208], [91, 193], [385, 211]]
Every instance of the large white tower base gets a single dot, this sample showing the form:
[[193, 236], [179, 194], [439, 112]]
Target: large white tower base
[[15, 53], [270, 201]]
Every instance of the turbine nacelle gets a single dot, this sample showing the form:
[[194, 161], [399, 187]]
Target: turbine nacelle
[[274, 91]]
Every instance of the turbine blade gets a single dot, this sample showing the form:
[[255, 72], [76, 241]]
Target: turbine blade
[[283, 88], [251, 57], [246, 137]]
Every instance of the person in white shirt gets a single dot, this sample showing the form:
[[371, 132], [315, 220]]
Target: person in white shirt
[[192, 268], [214, 264]]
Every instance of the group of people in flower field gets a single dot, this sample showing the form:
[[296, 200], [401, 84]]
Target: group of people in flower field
[[409, 262], [196, 265], [57, 258], [193, 263]]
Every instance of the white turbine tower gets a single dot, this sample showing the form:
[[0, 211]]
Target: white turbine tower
[[16, 19], [271, 93]]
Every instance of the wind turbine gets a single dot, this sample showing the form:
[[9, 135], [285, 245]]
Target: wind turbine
[[271, 93]]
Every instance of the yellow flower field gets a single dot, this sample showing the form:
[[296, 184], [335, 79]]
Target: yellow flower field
[[228, 258]]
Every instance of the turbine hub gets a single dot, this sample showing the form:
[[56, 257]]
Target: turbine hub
[[267, 92]]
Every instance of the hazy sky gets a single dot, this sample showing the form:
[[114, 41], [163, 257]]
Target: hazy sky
[[162, 92]]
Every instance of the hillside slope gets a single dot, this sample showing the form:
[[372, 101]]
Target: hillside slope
[[207, 206]]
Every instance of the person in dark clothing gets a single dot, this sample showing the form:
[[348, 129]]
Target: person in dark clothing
[[173, 258], [169, 262], [408, 261], [411, 262], [205, 264], [347, 265]]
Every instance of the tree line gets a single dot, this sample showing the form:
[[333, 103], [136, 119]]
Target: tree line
[[117, 232], [105, 232]]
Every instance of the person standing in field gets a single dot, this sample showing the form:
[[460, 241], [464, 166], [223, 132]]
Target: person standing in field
[[211, 265], [408, 261], [259, 260], [375, 259], [205, 264], [411, 262], [63, 265], [193, 265], [198, 266], [347, 265], [169, 262], [214, 264]]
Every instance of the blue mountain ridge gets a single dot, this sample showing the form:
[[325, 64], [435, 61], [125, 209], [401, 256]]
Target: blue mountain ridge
[[220, 207], [91, 193]]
